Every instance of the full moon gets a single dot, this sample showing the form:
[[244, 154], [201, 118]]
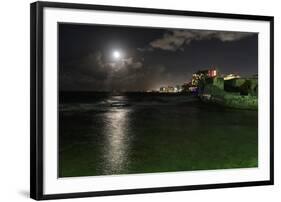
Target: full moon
[[116, 54]]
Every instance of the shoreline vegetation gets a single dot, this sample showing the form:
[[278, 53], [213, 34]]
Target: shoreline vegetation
[[239, 93], [212, 94]]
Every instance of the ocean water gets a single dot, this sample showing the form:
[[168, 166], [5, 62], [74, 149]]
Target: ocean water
[[107, 134]]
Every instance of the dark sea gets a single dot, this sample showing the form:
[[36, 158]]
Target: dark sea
[[109, 134]]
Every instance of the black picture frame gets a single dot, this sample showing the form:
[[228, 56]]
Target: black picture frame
[[36, 98]]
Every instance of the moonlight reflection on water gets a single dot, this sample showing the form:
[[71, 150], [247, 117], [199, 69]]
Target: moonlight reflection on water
[[116, 140]]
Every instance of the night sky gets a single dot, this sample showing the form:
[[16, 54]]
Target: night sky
[[120, 58]]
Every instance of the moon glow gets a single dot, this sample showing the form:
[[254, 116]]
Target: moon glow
[[116, 54]]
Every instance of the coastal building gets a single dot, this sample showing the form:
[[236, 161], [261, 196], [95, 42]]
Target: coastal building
[[212, 72], [231, 76], [243, 86], [196, 77], [168, 89], [203, 74], [188, 87], [178, 88], [171, 89], [162, 90]]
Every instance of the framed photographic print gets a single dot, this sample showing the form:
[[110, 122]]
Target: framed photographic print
[[133, 100]]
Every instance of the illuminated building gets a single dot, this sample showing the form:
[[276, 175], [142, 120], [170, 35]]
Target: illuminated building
[[170, 89], [231, 76], [212, 72], [203, 74]]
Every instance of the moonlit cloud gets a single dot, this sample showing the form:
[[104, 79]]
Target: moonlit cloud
[[127, 74], [177, 39], [118, 65]]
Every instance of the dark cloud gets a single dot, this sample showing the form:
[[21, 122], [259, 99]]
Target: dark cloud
[[176, 39], [94, 73]]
